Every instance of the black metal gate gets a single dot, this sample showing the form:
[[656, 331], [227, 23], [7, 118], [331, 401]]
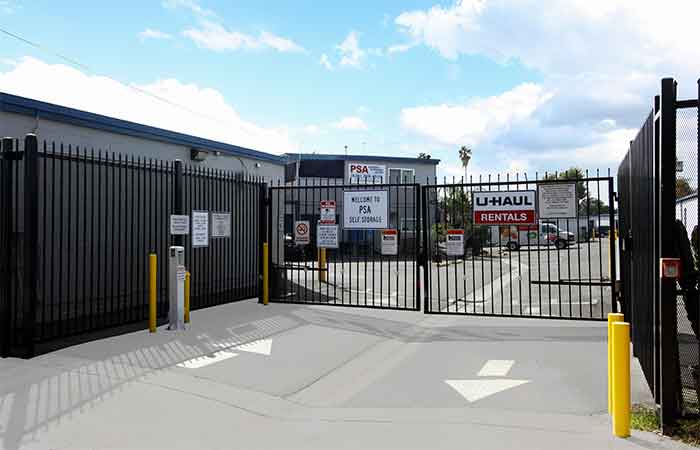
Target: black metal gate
[[659, 218], [361, 271], [559, 268], [77, 229]]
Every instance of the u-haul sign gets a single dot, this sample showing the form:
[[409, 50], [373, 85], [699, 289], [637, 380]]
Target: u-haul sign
[[504, 208]]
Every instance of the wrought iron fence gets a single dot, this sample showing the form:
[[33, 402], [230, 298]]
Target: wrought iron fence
[[80, 224]]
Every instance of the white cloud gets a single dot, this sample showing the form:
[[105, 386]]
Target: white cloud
[[191, 5], [470, 123], [351, 55], [312, 130], [400, 48], [325, 62], [150, 33], [353, 123], [7, 6], [208, 115], [600, 67], [214, 36], [562, 36]]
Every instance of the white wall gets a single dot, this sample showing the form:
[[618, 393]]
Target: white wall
[[17, 125]]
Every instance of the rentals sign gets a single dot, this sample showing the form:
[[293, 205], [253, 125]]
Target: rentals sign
[[504, 208]]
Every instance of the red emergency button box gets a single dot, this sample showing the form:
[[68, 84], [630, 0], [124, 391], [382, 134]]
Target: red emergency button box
[[670, 268]]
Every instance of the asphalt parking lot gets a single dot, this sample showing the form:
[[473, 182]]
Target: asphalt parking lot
[[533, 281]]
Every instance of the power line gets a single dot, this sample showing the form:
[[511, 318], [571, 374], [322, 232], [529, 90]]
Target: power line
[[80, 65]]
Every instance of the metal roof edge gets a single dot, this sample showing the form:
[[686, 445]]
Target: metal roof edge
[[291, 157], [36, 108]]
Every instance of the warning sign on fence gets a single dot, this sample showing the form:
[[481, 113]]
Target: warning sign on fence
[[220, 225], [327, 236], [455, 243], [302, 232], [390, 242], [179, 224], [200, 228], [365, 210], [504, 208], [557, 200], [327, 211]]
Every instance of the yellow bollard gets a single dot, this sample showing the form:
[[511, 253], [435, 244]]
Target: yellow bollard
[[187, 297], [152, 292], [322, 265], [266, 274], [621, 379], [612, 318]]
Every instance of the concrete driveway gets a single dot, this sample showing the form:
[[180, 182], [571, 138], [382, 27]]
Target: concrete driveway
[[320, 377]]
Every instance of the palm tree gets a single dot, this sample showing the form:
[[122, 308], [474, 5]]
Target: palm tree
[[465, 154]]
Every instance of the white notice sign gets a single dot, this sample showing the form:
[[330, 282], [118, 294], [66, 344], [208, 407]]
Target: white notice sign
[[220, 225], [179, 224], [556, 200], [390, 242], [365, 210], [302, 232], [200, 228], [455, 243], [327, 236]]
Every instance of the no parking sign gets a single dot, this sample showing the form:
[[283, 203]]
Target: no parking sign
[[302, 232]]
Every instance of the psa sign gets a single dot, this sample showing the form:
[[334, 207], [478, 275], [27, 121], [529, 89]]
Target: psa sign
[[366, 173], [504, 208]]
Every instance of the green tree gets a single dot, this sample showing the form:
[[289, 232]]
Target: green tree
[[465, 155], [592, 207], [683, 188]]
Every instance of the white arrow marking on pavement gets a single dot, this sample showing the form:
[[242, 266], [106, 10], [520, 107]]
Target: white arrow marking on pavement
[[496, 368], [201, 361], [474, 390], [262, 347]]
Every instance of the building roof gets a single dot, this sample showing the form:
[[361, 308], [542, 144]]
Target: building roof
[[34, 108], [291, 157]]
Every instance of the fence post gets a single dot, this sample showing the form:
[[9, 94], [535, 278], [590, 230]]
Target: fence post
[[8, 244], [668, 358], [425, 253], [264, 218], [30, 270], [179, 207], [613, 243]]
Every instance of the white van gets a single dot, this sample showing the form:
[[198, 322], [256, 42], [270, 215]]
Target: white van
[[515, 236]]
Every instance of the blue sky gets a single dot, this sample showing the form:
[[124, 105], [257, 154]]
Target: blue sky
[[530, 85]]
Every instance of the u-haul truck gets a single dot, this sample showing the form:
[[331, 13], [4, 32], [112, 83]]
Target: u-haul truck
[[544, 233]]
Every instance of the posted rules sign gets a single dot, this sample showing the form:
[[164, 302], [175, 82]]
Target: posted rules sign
[[390, 242], [504, 208], [327, 236], [455, 243], [557, 200], [365, 210]]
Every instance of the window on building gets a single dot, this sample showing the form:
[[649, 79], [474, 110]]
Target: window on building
[[399, 175]]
